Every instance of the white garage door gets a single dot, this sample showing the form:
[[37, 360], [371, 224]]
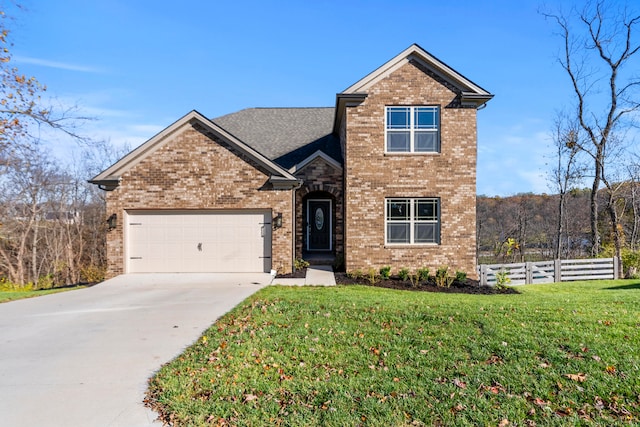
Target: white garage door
[[198, 241]]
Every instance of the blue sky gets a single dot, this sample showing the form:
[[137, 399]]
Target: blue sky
[[139, 65]]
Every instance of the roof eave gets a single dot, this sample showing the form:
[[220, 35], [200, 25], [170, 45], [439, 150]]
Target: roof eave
[[108, 184], [477, 100], [344, 100]]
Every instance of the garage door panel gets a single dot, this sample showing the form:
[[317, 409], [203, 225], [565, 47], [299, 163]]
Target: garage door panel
[[220, 241]]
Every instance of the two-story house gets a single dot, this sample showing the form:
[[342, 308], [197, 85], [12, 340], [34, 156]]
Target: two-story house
[[386, 177]]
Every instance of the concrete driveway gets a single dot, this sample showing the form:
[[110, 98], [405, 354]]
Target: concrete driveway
[[82, 358]]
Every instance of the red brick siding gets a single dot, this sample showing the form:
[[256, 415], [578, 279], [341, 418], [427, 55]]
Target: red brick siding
[[371, 176], [193, 171]]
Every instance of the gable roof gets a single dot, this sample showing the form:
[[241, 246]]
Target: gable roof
[[471, 94], [284, 135], [109, 179]]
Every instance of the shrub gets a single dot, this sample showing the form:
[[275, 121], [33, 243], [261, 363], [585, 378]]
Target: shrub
[[7, 286], [404, 273], [93, 273], [355, 274], [45, 282], [461, 276], [423, 274], [372, 276], [502, 279], [443, 280], [299, 264], [385, 272]]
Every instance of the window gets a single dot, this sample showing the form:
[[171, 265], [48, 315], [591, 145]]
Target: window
[[412, 221], [412, 129]]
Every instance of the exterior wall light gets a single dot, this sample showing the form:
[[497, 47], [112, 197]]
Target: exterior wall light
[[277, 221], [112, 222]]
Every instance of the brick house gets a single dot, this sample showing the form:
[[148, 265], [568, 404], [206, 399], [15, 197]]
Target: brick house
[[387, 177]]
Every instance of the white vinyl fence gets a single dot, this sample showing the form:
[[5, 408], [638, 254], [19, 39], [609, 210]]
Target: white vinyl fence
[[551, 271]]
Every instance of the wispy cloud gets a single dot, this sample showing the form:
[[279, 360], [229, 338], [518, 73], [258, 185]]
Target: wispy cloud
[[56, 64]]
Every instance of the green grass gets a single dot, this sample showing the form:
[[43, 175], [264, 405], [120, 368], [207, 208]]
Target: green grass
[[562, 354], [6, 296]]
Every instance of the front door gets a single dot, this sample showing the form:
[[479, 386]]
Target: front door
[[319, 225]]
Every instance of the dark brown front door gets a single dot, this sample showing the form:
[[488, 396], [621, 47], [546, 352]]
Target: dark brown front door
[[319, 225]]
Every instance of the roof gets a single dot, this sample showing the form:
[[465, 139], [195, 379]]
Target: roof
[[285, 135], [109, 179]]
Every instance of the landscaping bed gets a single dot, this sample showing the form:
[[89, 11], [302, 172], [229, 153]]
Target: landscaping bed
[[468, 286]]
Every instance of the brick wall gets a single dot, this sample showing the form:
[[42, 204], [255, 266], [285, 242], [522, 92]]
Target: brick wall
[[371, 176], [194, 171]]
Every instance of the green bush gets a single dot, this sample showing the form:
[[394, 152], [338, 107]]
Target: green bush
[[443, 280], [45, 282], [7, 286], [299, 264], [385, 272], [461, 276], [355, 274], [372, 276], [502, 279], [404, 273], [93, 273], [423, 274]]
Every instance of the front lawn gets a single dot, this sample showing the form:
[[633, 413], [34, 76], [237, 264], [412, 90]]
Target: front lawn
[[562, 354], [6, 296]]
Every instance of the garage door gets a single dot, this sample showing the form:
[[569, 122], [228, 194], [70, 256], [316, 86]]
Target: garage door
[[198, 242]]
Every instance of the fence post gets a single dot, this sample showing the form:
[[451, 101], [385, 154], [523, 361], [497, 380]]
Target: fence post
[[557, 270], [483, 275], [616, 272], [528, 273]]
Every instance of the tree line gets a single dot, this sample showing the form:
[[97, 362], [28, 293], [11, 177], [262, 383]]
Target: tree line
[[529, 227]]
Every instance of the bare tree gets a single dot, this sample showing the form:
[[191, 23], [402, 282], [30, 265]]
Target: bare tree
[[565, 175], [599, 41]]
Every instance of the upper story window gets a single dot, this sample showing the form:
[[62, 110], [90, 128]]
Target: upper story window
[[412, 129]]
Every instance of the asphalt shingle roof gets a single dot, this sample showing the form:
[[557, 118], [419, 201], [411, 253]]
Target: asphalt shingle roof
[[285, 135]]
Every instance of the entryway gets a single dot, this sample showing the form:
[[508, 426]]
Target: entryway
[[319, 225]]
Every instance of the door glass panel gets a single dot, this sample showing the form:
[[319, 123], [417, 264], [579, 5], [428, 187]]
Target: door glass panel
[[319, 219]]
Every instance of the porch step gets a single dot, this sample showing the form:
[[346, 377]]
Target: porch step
[[319, 259]]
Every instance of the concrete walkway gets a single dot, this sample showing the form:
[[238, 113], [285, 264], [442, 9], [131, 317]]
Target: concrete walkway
[[317, 275]]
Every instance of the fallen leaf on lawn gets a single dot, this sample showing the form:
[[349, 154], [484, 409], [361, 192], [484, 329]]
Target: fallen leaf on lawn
[[250, 397], [459, 383], [504, 423], [596, 358], [540, 402], [611, 369], [577, 377]]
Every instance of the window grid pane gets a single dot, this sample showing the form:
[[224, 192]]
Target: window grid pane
[[413, 221], [398, 118], [413, 129]]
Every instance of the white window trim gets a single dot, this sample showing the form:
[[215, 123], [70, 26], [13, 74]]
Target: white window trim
[[412, 130], [412, 221]]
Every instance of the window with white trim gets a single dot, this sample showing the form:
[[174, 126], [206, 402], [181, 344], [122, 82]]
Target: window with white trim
[[412, 221], [412, 129]]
